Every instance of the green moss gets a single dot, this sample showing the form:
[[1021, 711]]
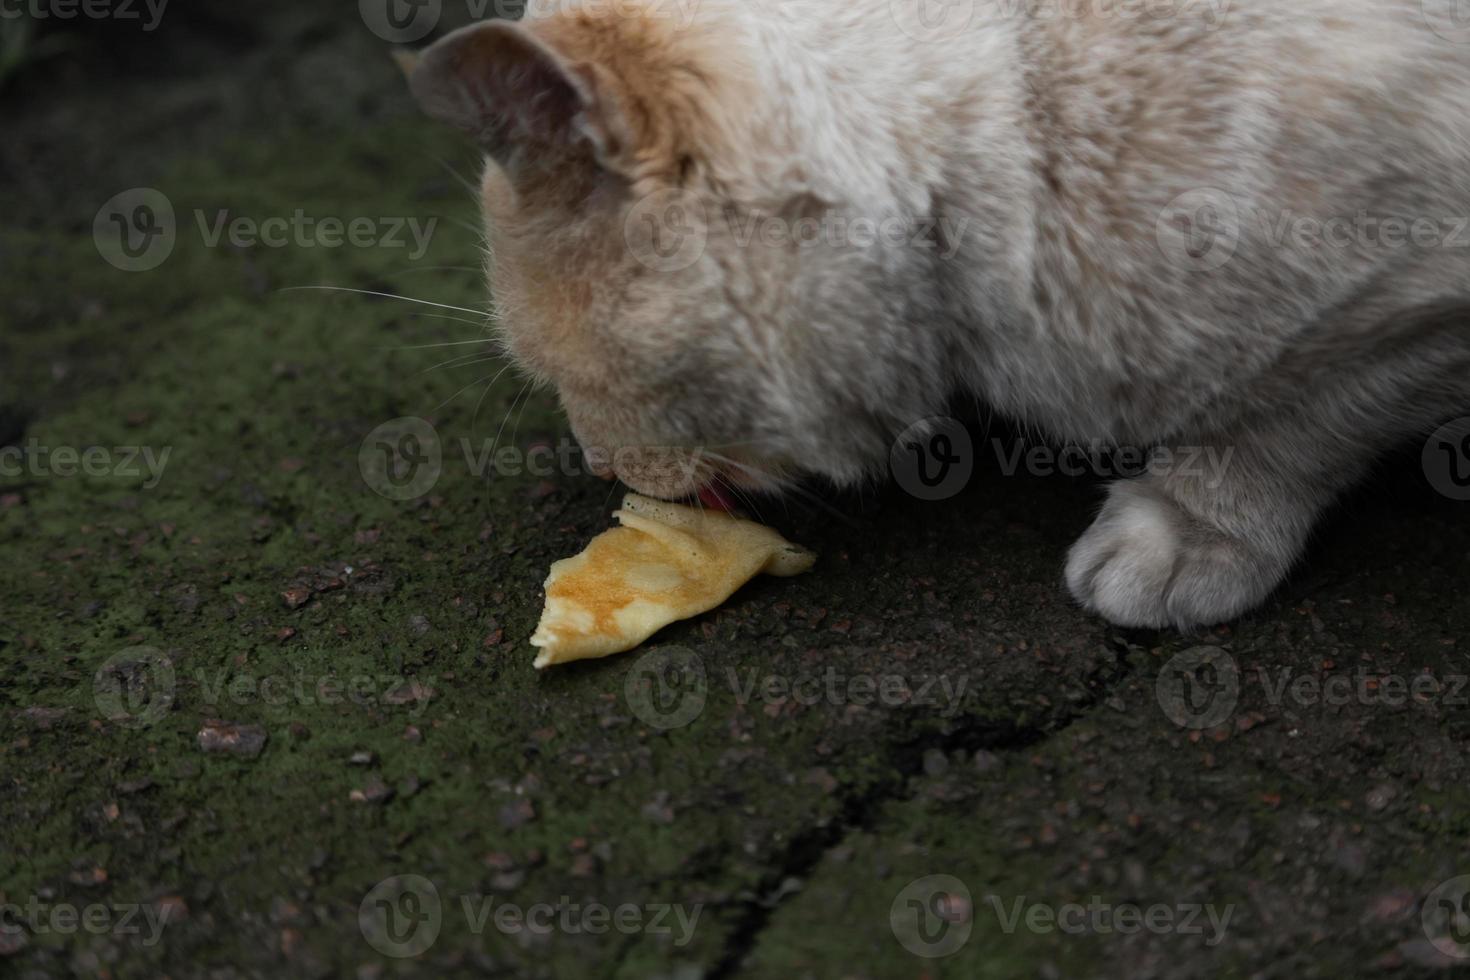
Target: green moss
[[793, 827]]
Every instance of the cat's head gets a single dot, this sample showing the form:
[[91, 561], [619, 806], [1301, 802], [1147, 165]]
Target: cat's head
[[661, 253]]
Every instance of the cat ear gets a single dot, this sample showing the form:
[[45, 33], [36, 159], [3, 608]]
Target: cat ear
[[510, 90]]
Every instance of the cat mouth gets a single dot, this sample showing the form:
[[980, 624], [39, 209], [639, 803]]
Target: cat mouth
[[729, 491], [714, 495], [700, 485]]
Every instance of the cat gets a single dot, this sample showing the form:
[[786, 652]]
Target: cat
[[1167, 224]]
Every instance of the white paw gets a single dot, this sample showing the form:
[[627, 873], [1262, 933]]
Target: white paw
[[1146, 563]]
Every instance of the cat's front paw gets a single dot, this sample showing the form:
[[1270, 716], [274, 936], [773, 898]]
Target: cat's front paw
[[1146, 563]]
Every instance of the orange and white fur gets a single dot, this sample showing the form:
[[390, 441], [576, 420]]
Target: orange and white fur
[[1155, 226]]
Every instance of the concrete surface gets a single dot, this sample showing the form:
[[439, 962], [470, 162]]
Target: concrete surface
[[257, 719]]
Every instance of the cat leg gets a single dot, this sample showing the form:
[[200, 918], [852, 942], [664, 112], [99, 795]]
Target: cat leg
[[1209, 531], [1197, 540]]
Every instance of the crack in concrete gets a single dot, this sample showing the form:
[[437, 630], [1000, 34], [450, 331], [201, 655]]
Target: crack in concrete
[[859, 810]]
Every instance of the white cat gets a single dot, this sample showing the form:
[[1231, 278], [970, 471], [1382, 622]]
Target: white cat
[[778, 233]]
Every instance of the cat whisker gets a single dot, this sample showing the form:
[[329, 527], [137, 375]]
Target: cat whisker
[[374, 292], [449, 343], [463, 360], [484, 394], [464, 181], [784, 485], [495, 444], [517, 427], [458, 393], [747, 500], [612, 488], [456, 319], [436, 268], [475, 230]]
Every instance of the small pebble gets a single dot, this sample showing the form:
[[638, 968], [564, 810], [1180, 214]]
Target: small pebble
[[245, 741]]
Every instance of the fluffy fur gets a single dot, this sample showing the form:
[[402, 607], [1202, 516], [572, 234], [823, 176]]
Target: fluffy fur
[[1105, 215]]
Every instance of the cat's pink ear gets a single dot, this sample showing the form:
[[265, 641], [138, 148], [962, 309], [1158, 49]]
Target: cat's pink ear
[[510, 91]]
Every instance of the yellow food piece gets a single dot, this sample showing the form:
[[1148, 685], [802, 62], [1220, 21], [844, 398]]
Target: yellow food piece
[[665, 563]]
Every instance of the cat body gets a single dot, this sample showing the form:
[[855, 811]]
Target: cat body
[[779, 234]]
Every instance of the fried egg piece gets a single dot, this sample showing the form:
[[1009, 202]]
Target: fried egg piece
[[665, 562]]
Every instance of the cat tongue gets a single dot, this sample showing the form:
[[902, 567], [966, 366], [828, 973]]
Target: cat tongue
[[714, 496]]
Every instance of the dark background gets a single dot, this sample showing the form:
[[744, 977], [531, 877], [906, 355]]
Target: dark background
[[262, 560]]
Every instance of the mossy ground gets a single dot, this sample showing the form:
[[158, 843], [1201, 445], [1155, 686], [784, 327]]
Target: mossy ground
[[380, 645]]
